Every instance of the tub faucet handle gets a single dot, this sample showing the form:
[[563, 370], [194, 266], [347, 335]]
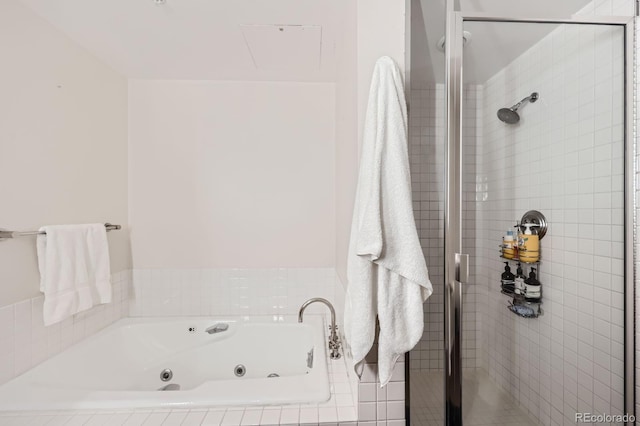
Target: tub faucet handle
[[334, 340]]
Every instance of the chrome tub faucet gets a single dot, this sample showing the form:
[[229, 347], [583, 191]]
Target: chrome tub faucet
[[334, 340]]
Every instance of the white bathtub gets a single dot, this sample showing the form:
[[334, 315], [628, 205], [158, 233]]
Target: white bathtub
[[120, 367]]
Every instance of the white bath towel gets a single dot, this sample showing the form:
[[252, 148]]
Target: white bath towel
[[74, 269], [387, 274]]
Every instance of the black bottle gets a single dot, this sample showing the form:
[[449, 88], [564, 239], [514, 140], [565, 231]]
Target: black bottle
[[519, 281], [533, 291], [508, 280]]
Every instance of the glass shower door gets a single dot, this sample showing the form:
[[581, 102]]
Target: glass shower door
[[567, 350]]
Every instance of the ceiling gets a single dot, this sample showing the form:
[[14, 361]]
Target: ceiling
[[492, 45], [278, 40]]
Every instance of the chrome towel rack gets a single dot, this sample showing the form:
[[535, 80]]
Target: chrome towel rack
[[4, 234]]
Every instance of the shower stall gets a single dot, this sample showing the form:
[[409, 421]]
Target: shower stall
[[563, 157]]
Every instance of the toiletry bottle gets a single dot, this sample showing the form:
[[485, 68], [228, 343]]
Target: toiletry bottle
[[508, 244], [533, 291], [516, 242], [529, 244], [519, 281], [508, 280]]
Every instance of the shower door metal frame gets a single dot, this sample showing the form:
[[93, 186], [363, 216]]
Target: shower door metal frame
[[456, 264]]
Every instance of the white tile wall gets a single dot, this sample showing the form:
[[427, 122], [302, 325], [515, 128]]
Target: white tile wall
[[378, 404], [426, 156], [204, 292], [568, 161], [268, 416], [637, 215], [426, 150], [184, 292], [565, 159], [484, 403], [609, 8], [25, 341], [472, 123], [268, 292]]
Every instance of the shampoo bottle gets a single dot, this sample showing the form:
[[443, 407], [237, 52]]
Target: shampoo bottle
[[529, 244], [508, 245], [508, 280], [519, 281], [533, 291]]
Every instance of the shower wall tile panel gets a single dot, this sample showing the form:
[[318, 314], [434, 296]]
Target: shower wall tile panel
[[565, 158], [637, 215], [426, 154], [426, 150], [609, 8], [26, 342], [626, 8]]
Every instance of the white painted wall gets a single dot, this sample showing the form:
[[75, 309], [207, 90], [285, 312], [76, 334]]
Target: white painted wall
[[381, 32], [363, 43], [232, 174], [63, 140], [346, 134]]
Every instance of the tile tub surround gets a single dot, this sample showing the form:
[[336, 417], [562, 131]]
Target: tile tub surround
[[195, 292], [25, 342], [340, 409], [269, 416], [118, 367], [376, 404], [338, 412], [266, 292], [288, 289]]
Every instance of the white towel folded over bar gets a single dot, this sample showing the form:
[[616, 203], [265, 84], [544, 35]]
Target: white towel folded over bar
[[74, 269]]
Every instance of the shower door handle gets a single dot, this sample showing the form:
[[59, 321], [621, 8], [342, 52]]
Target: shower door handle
[[461, 276], [461, 262], [453, 299], [448, 324]]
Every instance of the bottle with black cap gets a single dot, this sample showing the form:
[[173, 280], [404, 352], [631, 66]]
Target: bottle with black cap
[[507, 281], [519, 281], [533, 291]]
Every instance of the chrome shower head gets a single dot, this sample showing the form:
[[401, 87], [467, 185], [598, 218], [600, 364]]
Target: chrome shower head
[[510, 115]]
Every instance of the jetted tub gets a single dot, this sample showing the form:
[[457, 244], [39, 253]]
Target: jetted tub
[[256, 361]]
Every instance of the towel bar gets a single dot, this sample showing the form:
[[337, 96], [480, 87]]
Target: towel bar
[[4, 234]]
